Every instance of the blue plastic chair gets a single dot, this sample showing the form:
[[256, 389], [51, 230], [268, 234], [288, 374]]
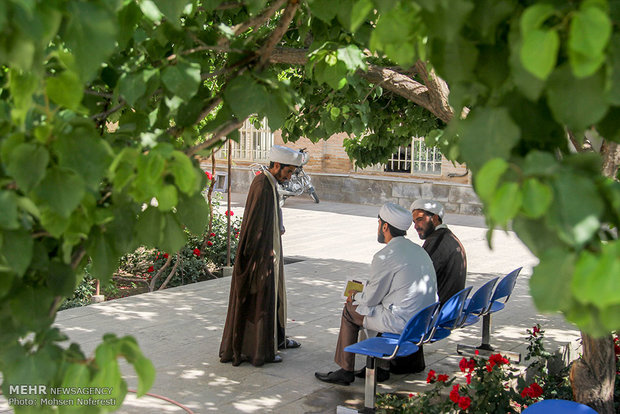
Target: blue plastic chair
[[449, 316], [478, 304], [385, 347], [503, 291], [558, 407]]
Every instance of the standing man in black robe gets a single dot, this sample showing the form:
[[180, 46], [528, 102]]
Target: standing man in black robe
[[255, 324]]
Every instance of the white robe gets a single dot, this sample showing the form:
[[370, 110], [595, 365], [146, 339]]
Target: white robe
[[402, 282]]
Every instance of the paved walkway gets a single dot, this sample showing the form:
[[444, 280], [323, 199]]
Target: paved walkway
[[179, 329]]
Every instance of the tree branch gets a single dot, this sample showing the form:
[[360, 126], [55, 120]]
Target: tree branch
[[260, 19], [105, 114], [172, 272], [219, 135], [285, 21]]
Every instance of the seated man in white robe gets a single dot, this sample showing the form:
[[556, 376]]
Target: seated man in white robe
[[402, 282]]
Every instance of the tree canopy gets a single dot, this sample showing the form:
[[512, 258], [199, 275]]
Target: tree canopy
[[105, 104]]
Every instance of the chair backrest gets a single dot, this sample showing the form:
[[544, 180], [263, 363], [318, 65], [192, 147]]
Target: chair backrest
[[418, 326], [558, 407], [481, 299], [451, 311], [506, 285]]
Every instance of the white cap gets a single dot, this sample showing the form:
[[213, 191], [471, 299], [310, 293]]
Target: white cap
[[431, 206], [285, 155], [396, 215]]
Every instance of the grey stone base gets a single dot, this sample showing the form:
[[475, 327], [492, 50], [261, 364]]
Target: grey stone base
[[375, 190]]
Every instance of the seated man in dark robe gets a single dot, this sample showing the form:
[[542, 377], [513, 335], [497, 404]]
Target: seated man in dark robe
[[449, 260]]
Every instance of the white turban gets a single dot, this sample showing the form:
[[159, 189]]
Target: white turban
[[431, 206], [396, 215], [285, 155]]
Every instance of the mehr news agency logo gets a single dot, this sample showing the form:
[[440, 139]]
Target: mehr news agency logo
[[33, 395]]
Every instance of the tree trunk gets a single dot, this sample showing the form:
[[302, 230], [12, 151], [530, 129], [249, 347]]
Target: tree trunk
[[593, 375]]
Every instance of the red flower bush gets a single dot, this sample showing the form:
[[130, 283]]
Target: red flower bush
[[454, 394], [467, 365]]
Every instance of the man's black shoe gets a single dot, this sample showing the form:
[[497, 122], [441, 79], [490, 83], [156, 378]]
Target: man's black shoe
[[340, 377], [382, 374]]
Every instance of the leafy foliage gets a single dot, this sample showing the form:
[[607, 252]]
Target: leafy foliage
[[103, 101]]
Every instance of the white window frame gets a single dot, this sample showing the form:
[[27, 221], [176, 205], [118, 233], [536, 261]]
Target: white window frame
[[424, 161], [254, 144]]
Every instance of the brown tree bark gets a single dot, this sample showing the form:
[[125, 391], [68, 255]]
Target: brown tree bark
[[593, 375]]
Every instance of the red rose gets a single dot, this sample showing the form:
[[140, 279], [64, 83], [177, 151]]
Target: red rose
[[471, 365], [212, 235], [209, 175], [165, 255], [468, 378], [535, 330], [231, 213], [151, 269], [464, 403], [410, 395], [197, 252], [209, 243], [535, 390], [430, 377], [498, 359], [463, 364], [442, 378], [489, 367], [454, 394]]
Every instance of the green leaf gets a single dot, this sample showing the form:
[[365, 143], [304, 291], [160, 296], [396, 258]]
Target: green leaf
[[596, 279], [62, 190], [61, 279], [31, 307], [537, 198], [333, 75], [22, 86], [172, 9], [103, 257], [85, 153], [193, 213], [394, 34], [150, 226], [486, 180], [550, 284], [537, 235], [185, 175], [352, 57], [167, 197], [351, 14], [564, 91], [91, 35], [27, 164], [245, 96], [182, 79], [17, 250], [613, 95], [276, 111], [487, 133], [576, 208], [8, 207], [146, 375], [65, 89], [447, 18], [505, 203], [590, 30], [133, 86], [150, 10], [173, 236], [323, 9], [534, 16], [539, 52], [540, 163]]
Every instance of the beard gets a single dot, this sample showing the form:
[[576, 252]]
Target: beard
[[380, 237], [426, 231]]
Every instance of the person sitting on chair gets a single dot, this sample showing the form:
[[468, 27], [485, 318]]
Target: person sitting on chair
[[402, 282]]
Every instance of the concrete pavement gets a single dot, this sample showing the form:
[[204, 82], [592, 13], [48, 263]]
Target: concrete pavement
[[179, 329]]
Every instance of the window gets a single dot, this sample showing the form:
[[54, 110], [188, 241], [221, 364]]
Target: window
[[415, 158], [254, 144]]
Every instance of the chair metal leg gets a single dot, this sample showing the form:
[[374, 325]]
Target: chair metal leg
[[370, 386], [486, 333]]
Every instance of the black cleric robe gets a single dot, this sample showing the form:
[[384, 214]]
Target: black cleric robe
[[449, 260], [257, 304]]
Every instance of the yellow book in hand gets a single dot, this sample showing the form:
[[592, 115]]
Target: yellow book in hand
[[353, 285]]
